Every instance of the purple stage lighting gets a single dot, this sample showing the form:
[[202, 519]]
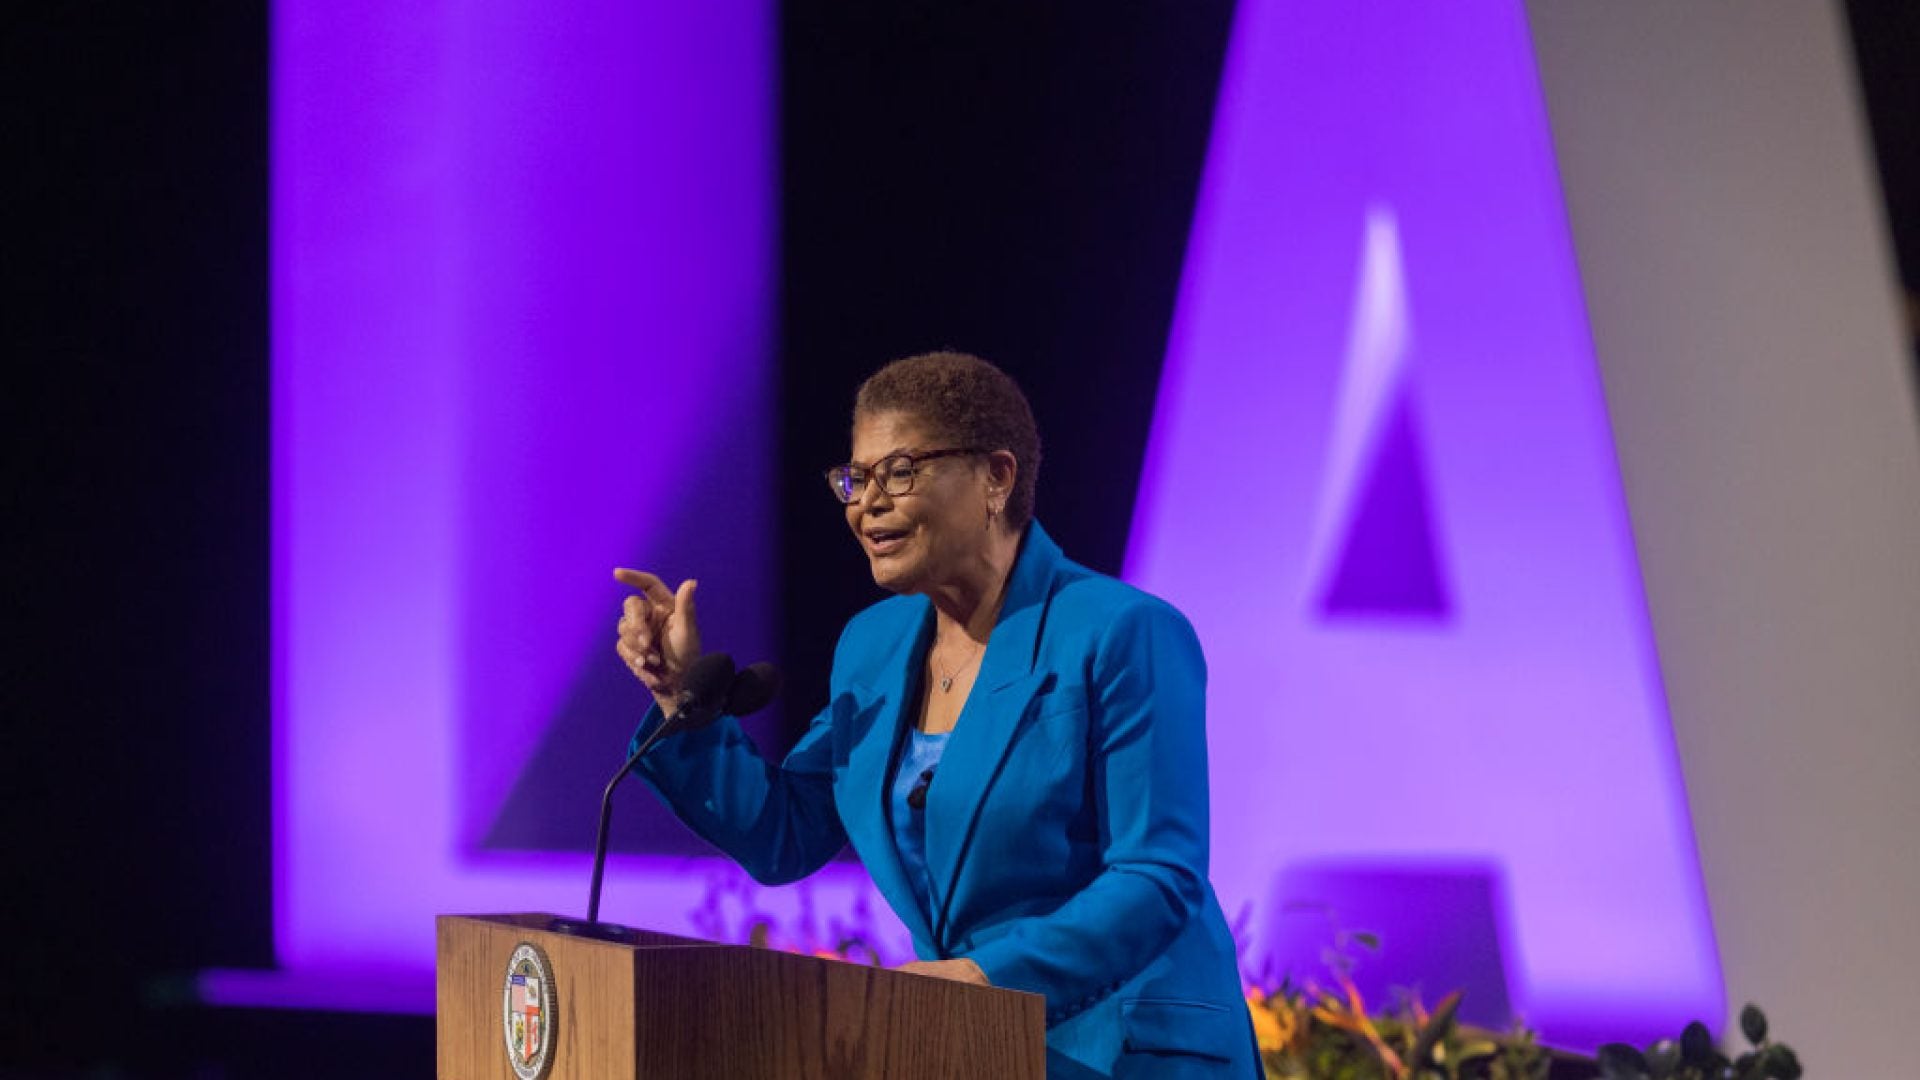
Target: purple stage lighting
[[1382, 484], [522, 306], [523, 300]]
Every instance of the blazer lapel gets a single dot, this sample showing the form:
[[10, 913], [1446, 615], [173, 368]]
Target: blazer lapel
[[989, 722], [864, 807]]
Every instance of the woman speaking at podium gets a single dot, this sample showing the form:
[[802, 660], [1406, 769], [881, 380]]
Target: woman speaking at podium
[[1014, 745]]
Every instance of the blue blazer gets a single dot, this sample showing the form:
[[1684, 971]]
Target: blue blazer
[[1066, 832]]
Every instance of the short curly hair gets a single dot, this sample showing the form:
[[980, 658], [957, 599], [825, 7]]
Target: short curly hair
[[964, 400]]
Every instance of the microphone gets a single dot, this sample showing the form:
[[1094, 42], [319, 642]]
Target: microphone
[[753, 687], [710, 687], [703, 693]]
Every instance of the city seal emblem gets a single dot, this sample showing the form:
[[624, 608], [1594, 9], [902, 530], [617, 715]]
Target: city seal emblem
[[527, 1014]]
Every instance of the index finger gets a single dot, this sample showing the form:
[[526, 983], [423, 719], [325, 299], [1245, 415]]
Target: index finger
[[655, 589]]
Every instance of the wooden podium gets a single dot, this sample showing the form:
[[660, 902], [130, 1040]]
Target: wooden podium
[[636, 1005]]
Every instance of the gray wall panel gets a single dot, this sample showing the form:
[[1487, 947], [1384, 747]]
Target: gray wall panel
[[1741, 290]]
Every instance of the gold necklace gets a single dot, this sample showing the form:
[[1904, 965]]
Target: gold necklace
[[946, 678]]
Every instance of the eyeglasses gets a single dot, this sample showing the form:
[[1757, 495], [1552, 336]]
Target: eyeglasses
[[895, 472]]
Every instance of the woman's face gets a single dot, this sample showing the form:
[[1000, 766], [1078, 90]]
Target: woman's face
[[917, 541]]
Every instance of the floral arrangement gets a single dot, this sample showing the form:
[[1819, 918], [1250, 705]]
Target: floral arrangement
[[1321, 1033], [1316, 1032], [1310, 1031], [1694, 1057], [729, 911]]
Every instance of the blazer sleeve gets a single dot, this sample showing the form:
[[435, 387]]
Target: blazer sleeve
[[779, 822], [1149, 773]]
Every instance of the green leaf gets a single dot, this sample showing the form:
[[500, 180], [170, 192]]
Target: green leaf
[[1367, 940], [1753, 1024], [1696, 1044], [1437, 1027], [1662, 1058], [1618, 1061]]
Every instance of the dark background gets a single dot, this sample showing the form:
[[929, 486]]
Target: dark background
[[1012, 181]]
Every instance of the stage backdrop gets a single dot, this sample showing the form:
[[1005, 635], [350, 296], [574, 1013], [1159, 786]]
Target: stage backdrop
[[522, 292], [1720, 186], [523, 333], [1382, 485]]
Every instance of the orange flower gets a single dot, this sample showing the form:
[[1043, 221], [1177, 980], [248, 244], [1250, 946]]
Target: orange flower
[[1291, 1030], [1268, 1030]]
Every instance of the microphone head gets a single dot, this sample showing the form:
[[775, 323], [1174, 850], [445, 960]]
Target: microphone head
[[753, 687], [704, 687]]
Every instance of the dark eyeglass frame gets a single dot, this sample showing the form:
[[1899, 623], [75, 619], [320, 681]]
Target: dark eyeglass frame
[[849, 482]]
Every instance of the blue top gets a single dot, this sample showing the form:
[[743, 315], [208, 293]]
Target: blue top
[[914, 772]]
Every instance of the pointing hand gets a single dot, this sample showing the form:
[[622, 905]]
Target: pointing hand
[[658, 635]]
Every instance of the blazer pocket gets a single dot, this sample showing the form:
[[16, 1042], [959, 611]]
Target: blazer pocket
[[1196, 1028]]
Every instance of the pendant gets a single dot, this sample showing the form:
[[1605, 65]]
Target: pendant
[[946, 683]]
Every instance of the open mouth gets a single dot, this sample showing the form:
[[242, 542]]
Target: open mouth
[[885, 541]]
